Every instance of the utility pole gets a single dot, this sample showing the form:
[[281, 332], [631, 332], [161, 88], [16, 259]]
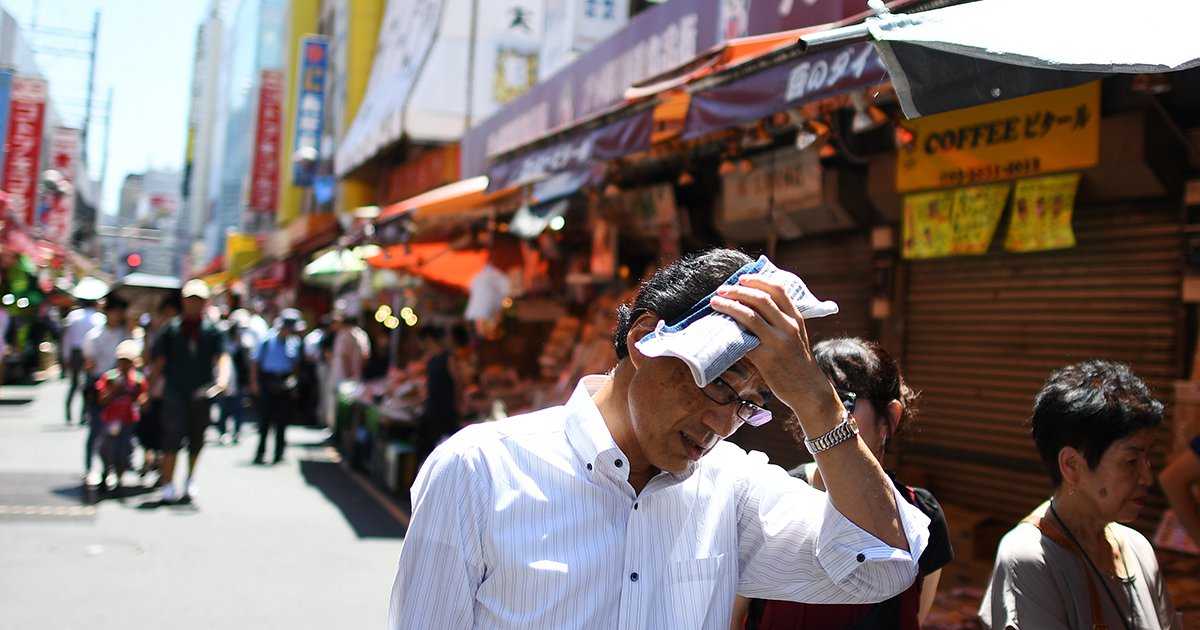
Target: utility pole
[[87, 111], [104, 158]]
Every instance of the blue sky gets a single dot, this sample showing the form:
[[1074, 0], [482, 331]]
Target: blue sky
[[145, 54]]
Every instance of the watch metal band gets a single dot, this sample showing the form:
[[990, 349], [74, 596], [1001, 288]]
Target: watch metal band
[[844, 430]]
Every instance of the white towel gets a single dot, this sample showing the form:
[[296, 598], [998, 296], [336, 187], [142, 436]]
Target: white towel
[[710, 342]]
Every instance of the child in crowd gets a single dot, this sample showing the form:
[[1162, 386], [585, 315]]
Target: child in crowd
[[122, 391]]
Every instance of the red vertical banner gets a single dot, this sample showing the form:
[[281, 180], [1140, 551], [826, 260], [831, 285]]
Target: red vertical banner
[[268, 134], [58, 208], [22, 157]]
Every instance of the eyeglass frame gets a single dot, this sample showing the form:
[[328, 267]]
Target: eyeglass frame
[[849, 399], [731, 397]]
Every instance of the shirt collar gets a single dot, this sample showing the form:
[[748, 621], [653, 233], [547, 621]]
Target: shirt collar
[[586, 431], [588, 434]]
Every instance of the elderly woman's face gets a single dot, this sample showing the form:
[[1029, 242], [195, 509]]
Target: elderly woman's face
[[1119, 485]]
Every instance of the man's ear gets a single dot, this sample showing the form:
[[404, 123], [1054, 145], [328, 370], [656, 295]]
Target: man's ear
[[894, 411], [642, 326]]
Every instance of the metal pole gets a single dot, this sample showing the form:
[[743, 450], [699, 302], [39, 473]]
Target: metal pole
[[87, 113], [104, 157]]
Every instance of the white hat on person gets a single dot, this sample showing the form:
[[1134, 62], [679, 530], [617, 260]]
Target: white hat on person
[[196, 288], [129, 349]]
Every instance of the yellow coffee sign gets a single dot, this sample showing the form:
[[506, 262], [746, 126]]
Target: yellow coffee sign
[[1032, 135]]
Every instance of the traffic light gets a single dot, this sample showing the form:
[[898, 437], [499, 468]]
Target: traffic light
[[134, 260]]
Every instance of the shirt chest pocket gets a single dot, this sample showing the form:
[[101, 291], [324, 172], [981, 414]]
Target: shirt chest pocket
[[689, 590]]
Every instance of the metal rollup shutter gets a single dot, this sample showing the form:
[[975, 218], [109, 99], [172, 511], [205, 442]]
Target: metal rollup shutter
[[838, 267], [983, 333]]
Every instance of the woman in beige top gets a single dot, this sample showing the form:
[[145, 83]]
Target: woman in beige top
[[1071, 563]]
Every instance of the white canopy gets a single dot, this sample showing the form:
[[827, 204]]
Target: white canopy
[[988, 50]]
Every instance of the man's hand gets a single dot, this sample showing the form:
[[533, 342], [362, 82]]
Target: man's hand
[[856, 483], [784, 356]]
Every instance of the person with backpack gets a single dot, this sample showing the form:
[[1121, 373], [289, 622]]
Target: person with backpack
[[872, 389]]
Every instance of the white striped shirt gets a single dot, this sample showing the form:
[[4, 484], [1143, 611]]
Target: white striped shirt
[[530, 522]]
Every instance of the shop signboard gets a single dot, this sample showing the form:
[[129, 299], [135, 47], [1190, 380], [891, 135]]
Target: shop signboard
[[268, 136], [6, 78], [741, 18], [657, 40], [509, 34], [1032, 135], [58, 210], [406, 37], [242, 252], [310, 107], [952, 222], [26, 116], [1041, 214], [576, 151], [784, 86], [574, 27]]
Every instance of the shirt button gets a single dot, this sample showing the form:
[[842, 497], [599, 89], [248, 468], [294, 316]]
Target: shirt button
[[619, 463], [635, 506], [589, 466], [861, 558], [633, 576]]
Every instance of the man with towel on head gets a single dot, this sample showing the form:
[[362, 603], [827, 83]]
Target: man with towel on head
[[625, 508]]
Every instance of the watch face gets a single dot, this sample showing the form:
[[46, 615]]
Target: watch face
[[852, 422]]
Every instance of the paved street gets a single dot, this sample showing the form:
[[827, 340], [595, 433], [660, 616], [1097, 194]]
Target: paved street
[[299, 545]]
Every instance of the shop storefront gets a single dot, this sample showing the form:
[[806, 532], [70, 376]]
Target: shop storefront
[[1065, 246]]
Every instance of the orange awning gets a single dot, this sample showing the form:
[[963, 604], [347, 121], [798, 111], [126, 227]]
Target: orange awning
[[435, 262], [460, 196]]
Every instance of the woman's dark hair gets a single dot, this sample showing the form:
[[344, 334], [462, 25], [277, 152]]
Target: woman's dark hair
[[673, 290], [865, 368], [1088, 406]]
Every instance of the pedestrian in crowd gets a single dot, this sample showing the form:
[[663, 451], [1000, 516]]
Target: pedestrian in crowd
[[122, 391], [379, 360], [624, 507], [150, 428], [100, 356], [348, 355], [873, 390], [316, 344], [189, 356], [5, 318], [275, 379], [1180, 481], [78, 323], [463, 365], [439, 414], [240, 343], [1093, 424]]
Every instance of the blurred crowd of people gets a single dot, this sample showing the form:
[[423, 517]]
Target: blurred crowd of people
[[149, 386]]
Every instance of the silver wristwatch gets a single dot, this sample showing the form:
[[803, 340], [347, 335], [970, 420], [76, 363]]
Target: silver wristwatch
[[844, 430]]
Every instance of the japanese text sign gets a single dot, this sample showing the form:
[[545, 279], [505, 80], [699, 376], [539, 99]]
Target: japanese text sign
[[27, 112], [58, 209], [264, 171], [5, 92], [310, 107], [1041, 215], [1043, 133], [952, 222]]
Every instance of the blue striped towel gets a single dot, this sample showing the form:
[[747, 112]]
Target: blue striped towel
[[710, 342]]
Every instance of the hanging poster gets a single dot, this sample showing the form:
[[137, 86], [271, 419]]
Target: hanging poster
[[928, 228], [1041, 215], [977, 212]]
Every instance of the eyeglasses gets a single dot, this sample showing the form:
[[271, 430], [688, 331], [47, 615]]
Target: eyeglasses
[[848, 400], [723, 393]]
